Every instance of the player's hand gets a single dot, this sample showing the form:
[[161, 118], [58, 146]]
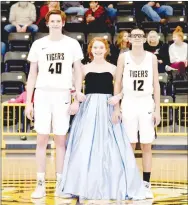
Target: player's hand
[[156, 118], [114, 100], [74, 107], [116, 116], [80, 96], [29, 111]]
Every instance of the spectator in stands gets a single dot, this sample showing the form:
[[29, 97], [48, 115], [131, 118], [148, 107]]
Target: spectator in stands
[[25, 122], [3, 48], [96, 18], [156, 12], [110, 8], [154, 45], [71, 7], [22, 16], [178, 51], [121, 45], [41, 22]]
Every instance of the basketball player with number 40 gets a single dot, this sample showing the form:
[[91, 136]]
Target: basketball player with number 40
[[51, 59]]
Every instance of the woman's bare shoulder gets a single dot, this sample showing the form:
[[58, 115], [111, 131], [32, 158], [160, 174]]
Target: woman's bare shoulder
[[112, 68], [86, 68]]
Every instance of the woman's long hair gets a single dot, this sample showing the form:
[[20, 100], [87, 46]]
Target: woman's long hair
[[179, 31], [119, 41]]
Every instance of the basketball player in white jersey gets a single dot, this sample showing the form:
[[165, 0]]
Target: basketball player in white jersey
[[51, 59], [137, 72]]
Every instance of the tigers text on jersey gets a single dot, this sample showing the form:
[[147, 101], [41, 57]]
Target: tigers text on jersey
[[138, 79], [55, 60]]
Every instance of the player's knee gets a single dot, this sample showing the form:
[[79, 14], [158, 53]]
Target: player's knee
[[146, 148], [42, 141], [60, 142]]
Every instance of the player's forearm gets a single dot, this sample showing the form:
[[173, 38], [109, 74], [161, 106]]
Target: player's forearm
[[78, 81], [157, 97], [78, 76], [117, 91], [120, 95], [30, 86]]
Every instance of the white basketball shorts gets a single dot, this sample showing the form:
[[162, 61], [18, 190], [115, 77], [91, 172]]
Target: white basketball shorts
[[137, 116], [51, 111]]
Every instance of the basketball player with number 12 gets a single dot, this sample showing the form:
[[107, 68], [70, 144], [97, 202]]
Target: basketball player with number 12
[[137, 71], [51, 59]]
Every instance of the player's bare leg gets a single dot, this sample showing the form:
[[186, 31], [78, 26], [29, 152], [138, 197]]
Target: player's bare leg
[[60, 142], [42, 141], [146, 157]]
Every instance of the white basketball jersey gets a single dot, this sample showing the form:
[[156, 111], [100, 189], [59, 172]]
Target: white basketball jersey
[[55, 60], [138, 79]]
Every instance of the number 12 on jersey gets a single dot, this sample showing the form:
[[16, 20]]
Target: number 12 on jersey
[[57, 69], [138, 85]]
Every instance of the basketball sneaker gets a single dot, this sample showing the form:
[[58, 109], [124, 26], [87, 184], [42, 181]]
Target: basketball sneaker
[[40, 190], [149, 194], [67, 196], [57, 187], [58, 192]]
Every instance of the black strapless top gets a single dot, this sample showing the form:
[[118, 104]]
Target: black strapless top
[[99, 83]]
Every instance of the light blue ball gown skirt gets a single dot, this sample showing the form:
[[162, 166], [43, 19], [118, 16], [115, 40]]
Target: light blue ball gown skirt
[[99, 161]]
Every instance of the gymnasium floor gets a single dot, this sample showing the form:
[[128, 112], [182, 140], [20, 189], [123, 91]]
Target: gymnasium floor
[[169, 180]]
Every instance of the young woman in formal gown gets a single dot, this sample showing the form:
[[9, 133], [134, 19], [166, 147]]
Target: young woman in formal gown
[[99, 162]]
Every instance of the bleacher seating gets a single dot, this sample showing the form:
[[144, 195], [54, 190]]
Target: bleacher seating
[[179, 7], [182, 111], [4, 22], [16, 61], [129, 15], [2, 65], [19, 41], [163, 81], [4, 18], [12, 83], [126, 23], [5, 6], [72, 24], [80, 37], [180, 86], [39, 35], [174, 21], [169, 38], [126, 8], [5, 9], [106, 36]]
